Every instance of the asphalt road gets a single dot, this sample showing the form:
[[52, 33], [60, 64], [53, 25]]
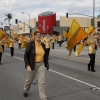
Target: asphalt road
[[67, 79]]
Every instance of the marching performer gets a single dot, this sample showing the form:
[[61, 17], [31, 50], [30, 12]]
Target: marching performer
[[11, 45], [1, 50], [20, 41], [24, 43], [96, 38], [47, 44], [57, 39], [3, 43], [53, 40], [42, 38], [60, 40], [91, 50]]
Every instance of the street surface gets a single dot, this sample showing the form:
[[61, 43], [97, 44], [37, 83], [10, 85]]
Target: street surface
[[67, 79]]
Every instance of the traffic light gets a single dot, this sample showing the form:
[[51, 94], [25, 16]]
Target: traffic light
[[31, 30], [6, 27], [92, 21], [67, 15], [1, 29], [16, 21], [99, 30], [98, 24]]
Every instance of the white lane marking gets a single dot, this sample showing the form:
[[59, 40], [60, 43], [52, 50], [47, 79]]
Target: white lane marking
[[93, 86], [18, 58], [7, 54], [14, 56]]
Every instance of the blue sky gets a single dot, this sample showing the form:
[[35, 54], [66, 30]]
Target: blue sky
[[35, 7]]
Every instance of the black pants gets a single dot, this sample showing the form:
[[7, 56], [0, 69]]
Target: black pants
[[52, 45], [74, 48], [20, 45], [0, 56], [57, 42], [3, 47], [92, 61], [60, 43], [48, 50], [95, 47], [12, 51]]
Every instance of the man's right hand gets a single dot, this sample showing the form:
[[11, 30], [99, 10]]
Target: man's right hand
[[28, 68]]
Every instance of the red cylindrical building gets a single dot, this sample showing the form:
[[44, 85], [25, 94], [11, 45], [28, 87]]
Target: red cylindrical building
[[46, 21]]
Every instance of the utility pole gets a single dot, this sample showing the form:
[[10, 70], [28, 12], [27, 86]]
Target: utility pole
[[99, 9], [93, 13]]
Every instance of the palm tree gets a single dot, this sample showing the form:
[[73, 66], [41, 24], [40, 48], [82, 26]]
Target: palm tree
[[8, 17]]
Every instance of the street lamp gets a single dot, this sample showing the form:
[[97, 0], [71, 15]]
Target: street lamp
[[29, 17], [80, 14]]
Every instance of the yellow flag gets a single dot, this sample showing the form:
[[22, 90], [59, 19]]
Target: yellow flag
[[65, 34], [14, 34], [21, 36], [6, 36], [75, 35], [2, 35], [93, 30], [80, 48], [24, 44], [90, 29]]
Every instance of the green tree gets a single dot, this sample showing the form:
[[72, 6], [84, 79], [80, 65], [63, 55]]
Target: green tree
[[8, 17]]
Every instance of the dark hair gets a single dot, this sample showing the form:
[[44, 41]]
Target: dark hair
[[36, 32]]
